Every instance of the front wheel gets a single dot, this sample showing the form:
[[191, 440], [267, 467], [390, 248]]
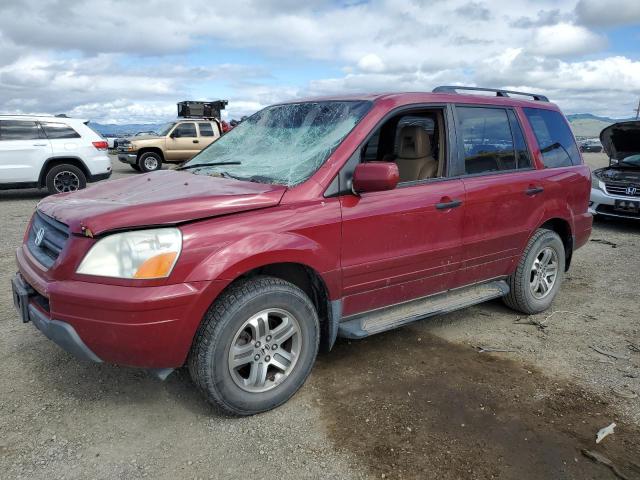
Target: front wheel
[[539, 274], [256, 346], [149, 162]]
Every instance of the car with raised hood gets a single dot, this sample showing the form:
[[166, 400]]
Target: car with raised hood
[[310, 220], [60, 154], [615, 190]]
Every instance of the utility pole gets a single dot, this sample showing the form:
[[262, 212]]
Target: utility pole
[[638, 110]]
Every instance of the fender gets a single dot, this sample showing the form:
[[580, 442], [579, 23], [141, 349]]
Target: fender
[[266, 248], [74, 158]]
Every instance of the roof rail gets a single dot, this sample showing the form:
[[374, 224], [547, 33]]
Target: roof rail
[[498, 91]]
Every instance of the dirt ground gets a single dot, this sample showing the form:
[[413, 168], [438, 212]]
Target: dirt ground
[[419, 402]]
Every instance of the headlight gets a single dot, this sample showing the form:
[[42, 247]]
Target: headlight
[[597, 183], [138, 254], [131, 147]]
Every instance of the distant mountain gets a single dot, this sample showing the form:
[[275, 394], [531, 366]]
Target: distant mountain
[[124, 129], [589, 125]]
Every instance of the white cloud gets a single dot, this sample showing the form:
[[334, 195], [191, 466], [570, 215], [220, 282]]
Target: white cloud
[[565, 39], [97, 58]]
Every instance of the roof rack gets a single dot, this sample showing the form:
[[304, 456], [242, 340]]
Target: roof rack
[[498, 91]]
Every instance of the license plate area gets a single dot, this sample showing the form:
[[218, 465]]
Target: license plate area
[[627, 206], [21, 293]]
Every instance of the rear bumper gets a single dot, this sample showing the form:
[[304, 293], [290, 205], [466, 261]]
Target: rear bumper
[[146, 327], [130, 158], [101, 176]]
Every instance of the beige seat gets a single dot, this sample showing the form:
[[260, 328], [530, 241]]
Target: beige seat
[[415, 161]]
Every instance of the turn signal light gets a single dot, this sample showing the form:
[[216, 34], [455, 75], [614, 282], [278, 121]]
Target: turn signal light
[[158, 266]]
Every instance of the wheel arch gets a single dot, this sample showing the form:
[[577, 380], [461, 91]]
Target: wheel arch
[[563, 228], [144, 150], [54, 161]]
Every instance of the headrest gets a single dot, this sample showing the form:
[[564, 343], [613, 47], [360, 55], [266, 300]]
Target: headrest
[[414, 142]]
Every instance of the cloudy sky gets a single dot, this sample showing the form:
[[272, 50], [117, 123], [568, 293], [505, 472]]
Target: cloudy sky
[[118, 61]]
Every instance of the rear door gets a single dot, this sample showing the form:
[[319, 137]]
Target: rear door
[[183, 142], [23, 151], [209, 132], [503, 191]]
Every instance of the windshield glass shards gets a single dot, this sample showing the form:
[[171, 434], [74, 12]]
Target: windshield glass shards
[[282, 144]]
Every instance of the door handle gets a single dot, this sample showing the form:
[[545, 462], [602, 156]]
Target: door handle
[[196, 141], [533, 190], [449, 204]]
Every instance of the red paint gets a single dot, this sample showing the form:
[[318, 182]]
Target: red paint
[[375, 177], [371, 250]]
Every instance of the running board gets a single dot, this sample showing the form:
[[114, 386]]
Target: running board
[[376, 321]]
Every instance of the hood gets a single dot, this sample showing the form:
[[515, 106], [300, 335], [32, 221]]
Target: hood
[[621, 140], [159, 198]]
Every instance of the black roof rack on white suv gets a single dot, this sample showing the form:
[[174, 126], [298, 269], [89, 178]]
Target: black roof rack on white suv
[[498, 91]]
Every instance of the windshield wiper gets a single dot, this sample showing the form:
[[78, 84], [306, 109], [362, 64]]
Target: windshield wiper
[[212, 164]]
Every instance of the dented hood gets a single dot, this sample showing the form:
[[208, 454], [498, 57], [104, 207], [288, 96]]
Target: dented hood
[[621, 139], [160, 198]]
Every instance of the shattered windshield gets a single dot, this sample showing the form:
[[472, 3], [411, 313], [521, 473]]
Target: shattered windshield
[[282, 144]]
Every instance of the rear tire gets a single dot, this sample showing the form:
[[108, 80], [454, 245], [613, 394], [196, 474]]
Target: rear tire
[[149, 162], [65, 178], [538, 276], [246, 358]]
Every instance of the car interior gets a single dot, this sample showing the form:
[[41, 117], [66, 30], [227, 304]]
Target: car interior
[[414, 141]]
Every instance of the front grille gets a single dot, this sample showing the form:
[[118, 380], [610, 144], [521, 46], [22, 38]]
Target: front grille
[[47, 238], [624, 190]]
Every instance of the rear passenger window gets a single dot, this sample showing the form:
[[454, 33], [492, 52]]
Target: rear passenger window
[[554, 137], [58, 130], [19, 130], [488, 142], [206, 130]]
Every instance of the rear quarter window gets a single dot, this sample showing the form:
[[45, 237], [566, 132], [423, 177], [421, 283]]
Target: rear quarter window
[[554, 137], [55, 130]]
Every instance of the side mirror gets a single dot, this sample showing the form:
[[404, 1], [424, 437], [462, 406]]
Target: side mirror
[[175, 134], [375, 177]]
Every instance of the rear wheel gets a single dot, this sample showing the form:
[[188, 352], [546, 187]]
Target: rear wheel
[[65, 178], [539, 274], [256, 346], [149, 162]]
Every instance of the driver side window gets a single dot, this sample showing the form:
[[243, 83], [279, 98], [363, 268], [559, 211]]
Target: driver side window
[[414, 141], [186, 130]]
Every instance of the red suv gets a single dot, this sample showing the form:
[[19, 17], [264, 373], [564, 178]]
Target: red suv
[[311, 220]]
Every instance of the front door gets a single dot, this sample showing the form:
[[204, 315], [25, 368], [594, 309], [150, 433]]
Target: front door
[[183, 142], [23, 151]]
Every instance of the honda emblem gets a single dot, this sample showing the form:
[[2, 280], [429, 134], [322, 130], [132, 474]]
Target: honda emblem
[[632, 190]]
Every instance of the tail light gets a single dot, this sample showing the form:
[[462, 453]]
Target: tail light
[[101, 145]]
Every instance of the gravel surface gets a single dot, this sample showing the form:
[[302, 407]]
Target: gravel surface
[[419, 402]]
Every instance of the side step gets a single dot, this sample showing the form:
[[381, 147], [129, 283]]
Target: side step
[[376, 321]]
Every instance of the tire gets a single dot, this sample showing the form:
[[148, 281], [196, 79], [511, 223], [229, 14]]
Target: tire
[[149, 162], [135, 166], [230, 321], [65, 178], [527, 293]]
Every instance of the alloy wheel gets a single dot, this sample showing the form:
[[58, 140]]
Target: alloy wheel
[[544, 273], [66, 181]]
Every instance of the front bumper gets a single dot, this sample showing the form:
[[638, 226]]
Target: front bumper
[[130, 158], [148, 327], [602, 203]]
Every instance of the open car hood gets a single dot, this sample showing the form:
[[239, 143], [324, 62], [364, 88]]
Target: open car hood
[[621, 140], [160, 198]]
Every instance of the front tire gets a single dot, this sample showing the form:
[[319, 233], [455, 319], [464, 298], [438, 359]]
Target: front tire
[[149, 162], [256, 346], [65, 178], [538, 276]]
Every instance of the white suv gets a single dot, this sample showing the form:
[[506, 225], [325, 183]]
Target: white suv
[[61, 154]]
